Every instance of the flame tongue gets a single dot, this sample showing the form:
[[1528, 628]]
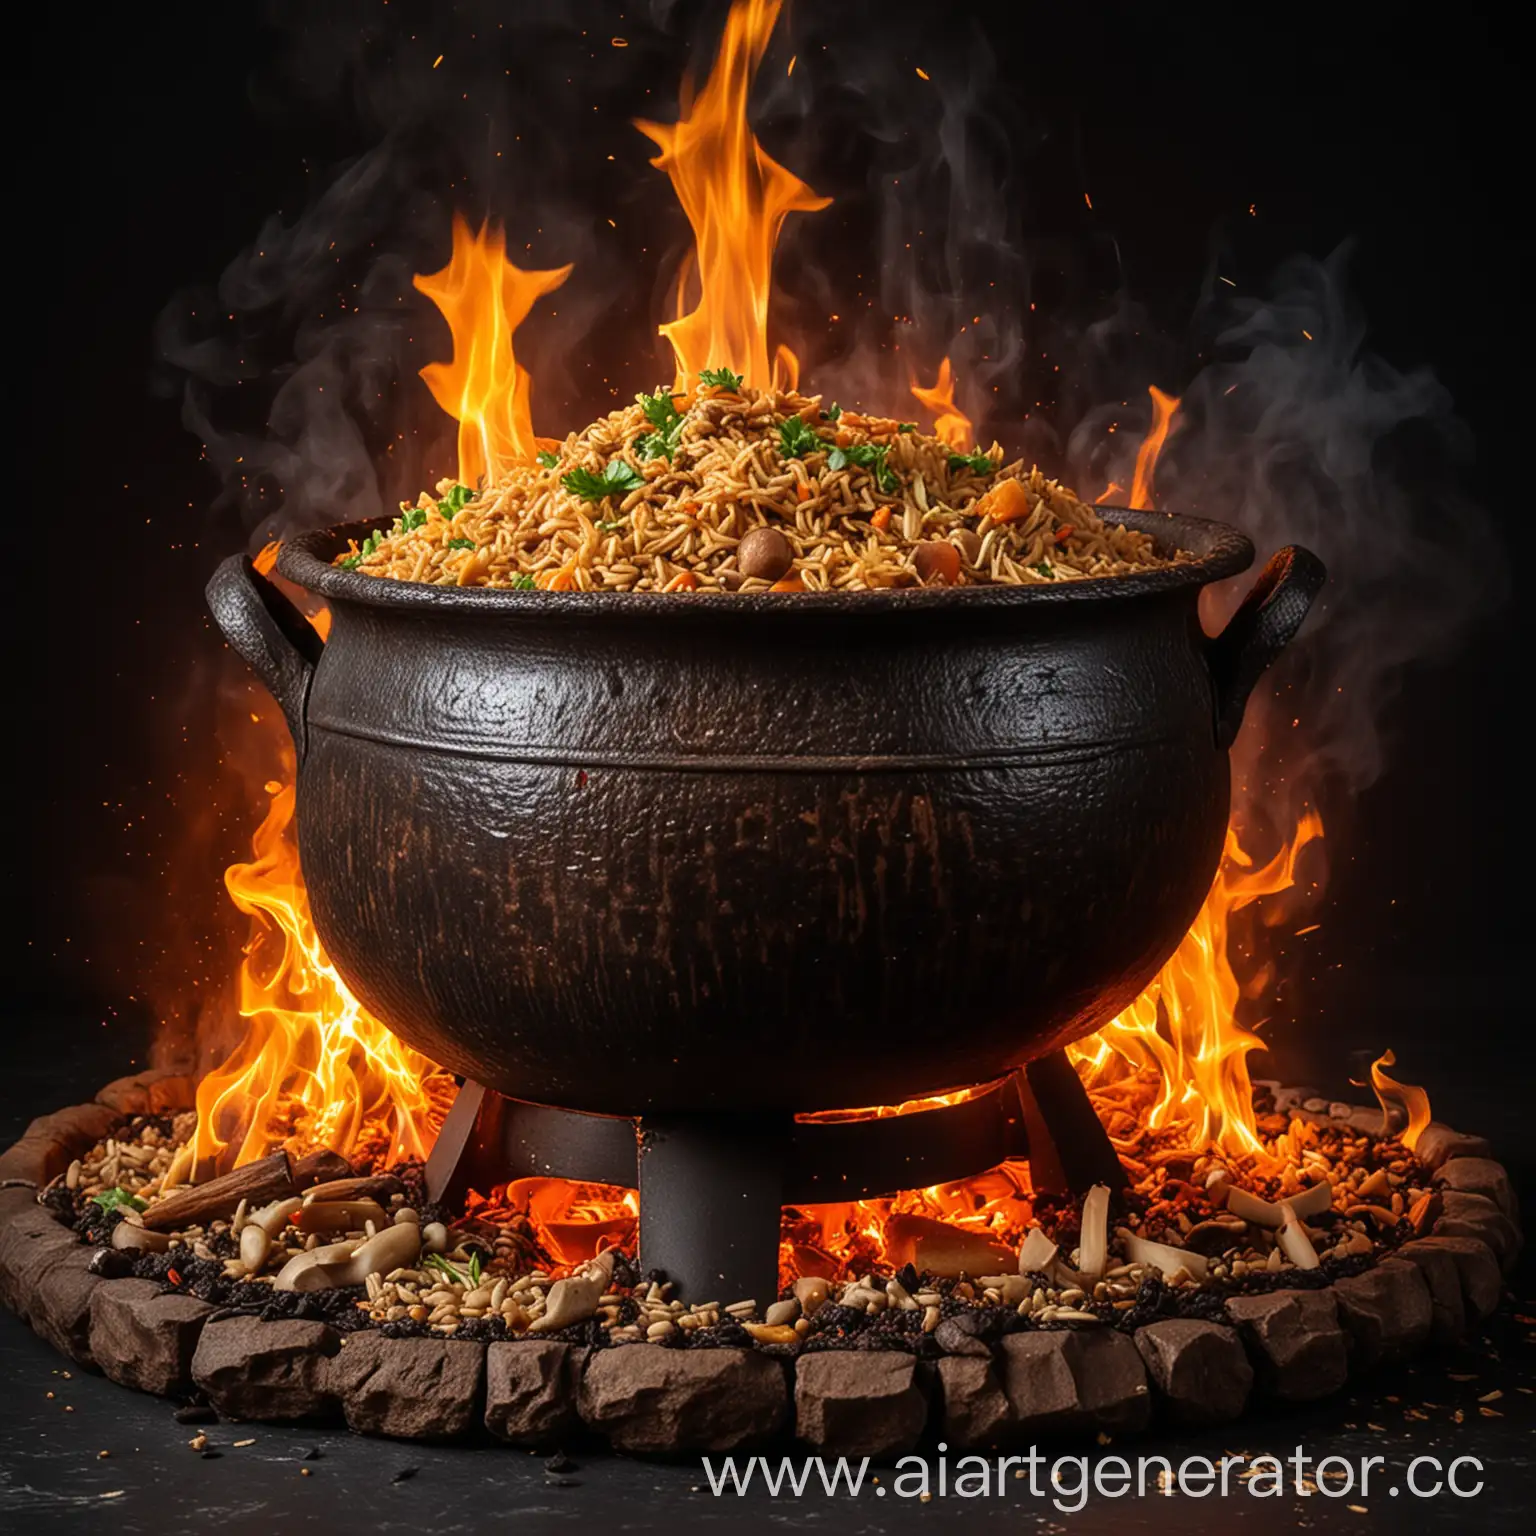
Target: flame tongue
[[484, 299], [949, 421], [315, 1069], [736, 197]]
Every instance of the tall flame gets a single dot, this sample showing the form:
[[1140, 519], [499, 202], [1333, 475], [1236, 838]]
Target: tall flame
[[314, 1068], [1202, 1060], [1414, 1101], [736, 197], [949, 422], [1163, 408], [484, 298]]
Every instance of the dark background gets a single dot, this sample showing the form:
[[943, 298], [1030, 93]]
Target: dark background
[[154, 168]]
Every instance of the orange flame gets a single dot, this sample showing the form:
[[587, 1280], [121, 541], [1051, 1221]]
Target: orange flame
[[1163, 408], [484, 298], [1202, 1059], [314, 1069], [950, 422], [736, 197], [1389, 1092]]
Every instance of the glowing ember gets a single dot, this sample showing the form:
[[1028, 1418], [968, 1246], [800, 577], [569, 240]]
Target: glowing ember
[[736, 197], [314, 1069], [949, 421], [484, 299]]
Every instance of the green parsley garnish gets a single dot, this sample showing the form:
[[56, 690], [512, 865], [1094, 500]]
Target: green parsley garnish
[[366, 548], [906, 426], [461, 543], [796, 439], [617, 478], [1044, 568], [662, 413], [833, 411], [720, 378], [980, 462], [611, 525], [118, 1200], [468, 1277], [455, 501], [409, 522], [548, 460], [870, 456], [523, 582]]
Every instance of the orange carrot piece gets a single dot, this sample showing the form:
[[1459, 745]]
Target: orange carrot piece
[[791, 583], [684, 581], [1006, 502], [881, 518]]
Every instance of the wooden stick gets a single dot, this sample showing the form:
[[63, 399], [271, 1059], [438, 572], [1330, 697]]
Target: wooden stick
[[256, 1183]]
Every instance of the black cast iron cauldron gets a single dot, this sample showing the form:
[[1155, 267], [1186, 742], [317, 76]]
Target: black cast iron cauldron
[[666, 853]]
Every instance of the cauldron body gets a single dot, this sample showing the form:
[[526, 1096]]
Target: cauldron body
[[641, 854]]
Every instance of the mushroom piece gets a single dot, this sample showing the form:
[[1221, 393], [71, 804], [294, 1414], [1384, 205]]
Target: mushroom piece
[[1214, 1237], [350, 1263], [1293, 1240], [271, 1218], [1036, 1252], [339, 1215], [572, 1300], [1262, 1213], [255, 1245], [127, 1235], [1163, 1257], [1093, 1246], [311, 1271]]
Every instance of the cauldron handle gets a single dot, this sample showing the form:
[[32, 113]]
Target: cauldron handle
[[1265, 623], [278, 642]]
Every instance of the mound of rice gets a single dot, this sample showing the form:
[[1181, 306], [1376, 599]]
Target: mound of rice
[[659, 497]]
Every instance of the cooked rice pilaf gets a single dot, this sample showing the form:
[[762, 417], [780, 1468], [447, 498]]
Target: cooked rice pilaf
[[678, 493]]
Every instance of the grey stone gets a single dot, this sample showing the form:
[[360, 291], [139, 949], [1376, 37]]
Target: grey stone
[[859, 1402], [1480, 1176], [974, 1407], [683, 1401], [531, 1391], [276, 1372], [1476, 1216], [1387, 1311], [30, 1239], [1442, 1278], [957, 1336], [52, 1142], [60, 1305], [145, 1339], [1438, 1143], [408, 1389], [1482, 1286], [1200, 1371], [1298, 1348], [1073, 1381]]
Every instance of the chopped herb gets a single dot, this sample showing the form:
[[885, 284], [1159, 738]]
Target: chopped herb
[[455, 501], [366, 548], [438, 1262], [870, 456], [1044, 568], [980, 462], [720, 378], [833, 411], [906, 426], [796, 439], [474, 1270], [548, 460], [409, 522], [461, 543], [617, 478], [118, 1200], [523, 582], [662, 413], [611, 524]]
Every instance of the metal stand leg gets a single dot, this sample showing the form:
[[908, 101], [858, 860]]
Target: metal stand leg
[[710, 1191], [1069, 1149]]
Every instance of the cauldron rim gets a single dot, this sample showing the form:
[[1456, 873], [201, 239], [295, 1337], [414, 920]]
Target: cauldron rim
[[1220, 551]]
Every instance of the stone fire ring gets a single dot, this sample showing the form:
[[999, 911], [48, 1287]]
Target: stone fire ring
[[1292, 1345]]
